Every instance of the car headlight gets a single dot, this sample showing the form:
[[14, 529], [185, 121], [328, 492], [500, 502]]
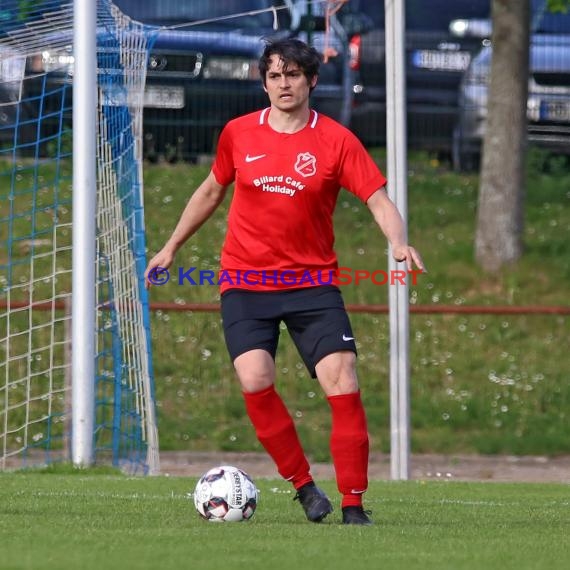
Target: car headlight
[[231, 68]]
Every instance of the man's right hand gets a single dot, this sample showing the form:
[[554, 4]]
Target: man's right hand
[[162, 260]]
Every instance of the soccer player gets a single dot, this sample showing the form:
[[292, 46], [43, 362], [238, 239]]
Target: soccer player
[[288, 164]]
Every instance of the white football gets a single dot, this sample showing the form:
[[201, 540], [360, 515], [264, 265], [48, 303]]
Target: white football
[[226, 494]]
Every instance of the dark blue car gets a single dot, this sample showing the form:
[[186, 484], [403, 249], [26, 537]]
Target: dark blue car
[[202, 68], [435, 60]]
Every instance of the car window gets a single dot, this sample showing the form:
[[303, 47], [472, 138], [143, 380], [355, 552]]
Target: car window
[[423, 14], [546, 22], [168, 12], [374, 9], [436, 14]]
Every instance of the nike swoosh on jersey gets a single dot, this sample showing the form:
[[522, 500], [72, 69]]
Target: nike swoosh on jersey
[[252, 158], [344, 337]]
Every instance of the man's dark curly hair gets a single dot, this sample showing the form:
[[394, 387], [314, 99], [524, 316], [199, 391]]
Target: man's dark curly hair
[[291, 51]]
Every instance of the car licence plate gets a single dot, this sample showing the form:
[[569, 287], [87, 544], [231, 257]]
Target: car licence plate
[[163, 97], [555, 111], [441, 60]]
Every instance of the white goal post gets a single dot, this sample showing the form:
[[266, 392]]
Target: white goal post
[[72, 245]]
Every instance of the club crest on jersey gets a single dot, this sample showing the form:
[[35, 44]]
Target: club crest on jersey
[[306, 164]]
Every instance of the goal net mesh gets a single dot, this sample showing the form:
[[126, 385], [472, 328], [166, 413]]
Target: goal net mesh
[[36, 71]]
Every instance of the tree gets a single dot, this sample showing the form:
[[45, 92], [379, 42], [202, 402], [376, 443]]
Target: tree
[[558, 5], [498, 238]]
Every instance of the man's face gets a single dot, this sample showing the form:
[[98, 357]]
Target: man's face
[[288, 89]]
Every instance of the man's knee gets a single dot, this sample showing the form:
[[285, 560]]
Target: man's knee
[[255, 370], [336, 373]]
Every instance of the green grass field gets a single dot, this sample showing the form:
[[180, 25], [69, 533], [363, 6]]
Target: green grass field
[[479, 383], [487, 384], [89, 521]]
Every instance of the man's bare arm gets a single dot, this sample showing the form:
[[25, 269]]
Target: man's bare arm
[[392, 225], [202, 204]]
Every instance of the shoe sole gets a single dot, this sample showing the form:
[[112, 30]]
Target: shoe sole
[[320, 517]]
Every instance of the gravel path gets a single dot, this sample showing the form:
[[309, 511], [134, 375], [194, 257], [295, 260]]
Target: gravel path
[[455, 467]]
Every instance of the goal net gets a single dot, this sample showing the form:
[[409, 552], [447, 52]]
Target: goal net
[[36, 71]]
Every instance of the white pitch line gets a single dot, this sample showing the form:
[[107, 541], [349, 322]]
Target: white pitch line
[[101, 494]]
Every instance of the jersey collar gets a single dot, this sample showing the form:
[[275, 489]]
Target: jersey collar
[[265, 113]]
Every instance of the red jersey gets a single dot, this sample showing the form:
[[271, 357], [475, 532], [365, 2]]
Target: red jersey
[[280, 225]]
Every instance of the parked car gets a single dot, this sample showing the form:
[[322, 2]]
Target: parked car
[[203, 67], [435, 62], [548, 106]]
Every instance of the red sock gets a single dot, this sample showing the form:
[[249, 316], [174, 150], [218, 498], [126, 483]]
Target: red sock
[[349, 447], [276, 432]]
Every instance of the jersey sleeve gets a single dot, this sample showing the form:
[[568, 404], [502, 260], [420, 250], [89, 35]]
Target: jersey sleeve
[[223, 167], [358, 173]]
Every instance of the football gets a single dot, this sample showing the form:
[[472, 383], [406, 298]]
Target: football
[[226, 494]]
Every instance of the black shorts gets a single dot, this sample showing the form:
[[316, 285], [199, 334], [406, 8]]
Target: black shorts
[[315, 318]]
